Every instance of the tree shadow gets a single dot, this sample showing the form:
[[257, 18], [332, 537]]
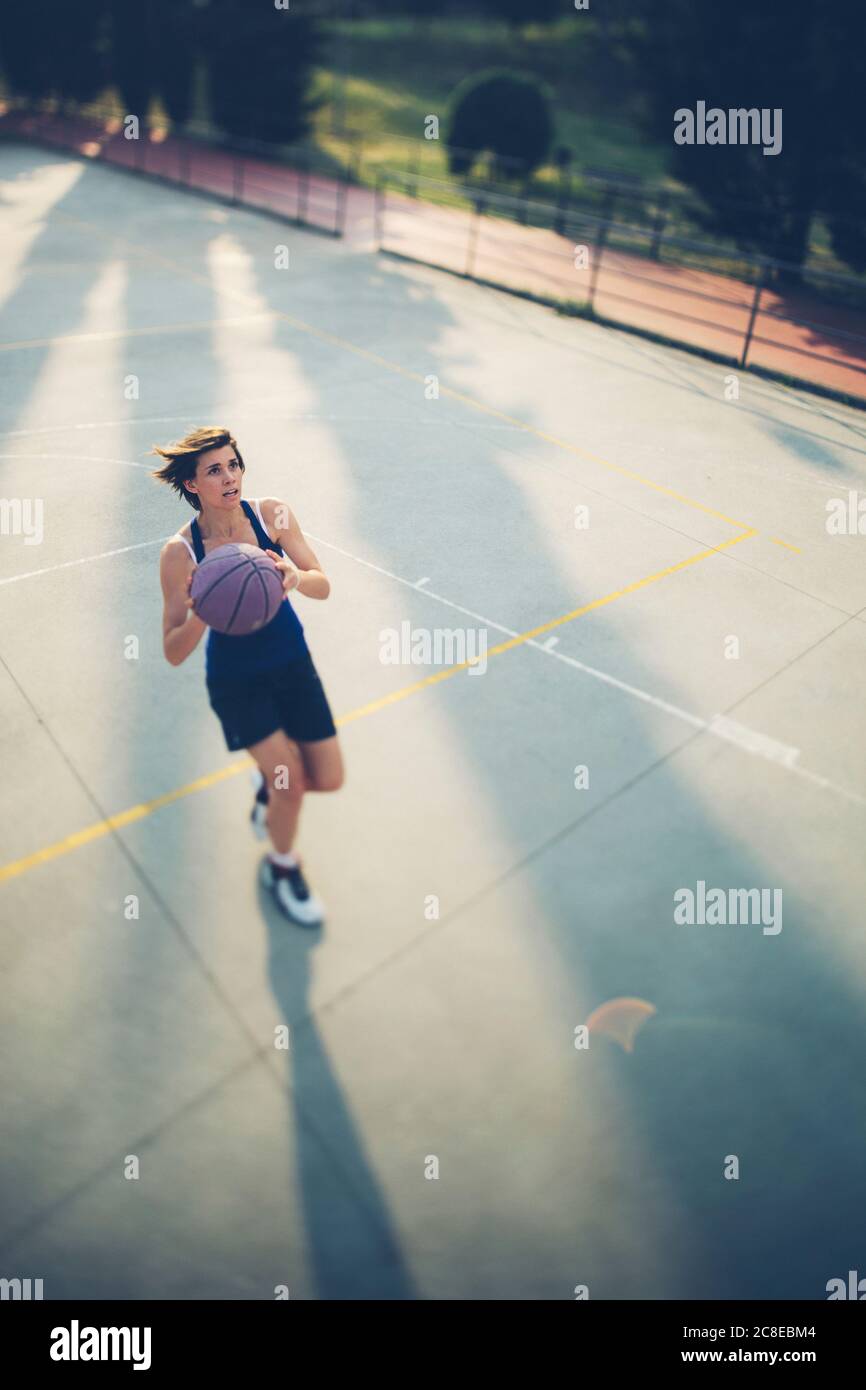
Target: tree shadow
[[748, 1033]]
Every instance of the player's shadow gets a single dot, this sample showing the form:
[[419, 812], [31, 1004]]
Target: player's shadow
[[354, 1249]]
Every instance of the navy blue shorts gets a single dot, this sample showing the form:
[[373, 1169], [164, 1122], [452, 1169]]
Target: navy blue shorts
[[289, 697]]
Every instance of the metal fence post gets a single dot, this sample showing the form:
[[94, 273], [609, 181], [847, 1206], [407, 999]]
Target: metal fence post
[[562, 159], [524, 194], [379, 211], [303, 188], [414, 172], [609, 204], [473, 237], [596, 263], [658, 230], [562, 201], [340, 215], [756, 303]]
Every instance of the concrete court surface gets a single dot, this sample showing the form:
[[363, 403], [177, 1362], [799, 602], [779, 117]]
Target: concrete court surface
[[413, 1036]]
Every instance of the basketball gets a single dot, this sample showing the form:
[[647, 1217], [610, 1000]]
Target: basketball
[[236, 589]]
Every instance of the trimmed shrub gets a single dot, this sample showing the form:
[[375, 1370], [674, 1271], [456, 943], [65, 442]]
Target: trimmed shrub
[[502, 112]]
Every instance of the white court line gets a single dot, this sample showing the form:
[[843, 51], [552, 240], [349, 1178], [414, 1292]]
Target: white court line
[[748, 740], [719, 726], [85, 560], [81, 458], [210, 409], [107, 335], [245, 412]]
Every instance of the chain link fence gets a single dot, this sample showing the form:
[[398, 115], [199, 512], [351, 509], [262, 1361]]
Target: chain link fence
[[612, 270]]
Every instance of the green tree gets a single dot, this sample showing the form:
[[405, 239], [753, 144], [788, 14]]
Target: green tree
[[804, 59], [154, 47], [180, 29], [54, 49], [259, 63], [134, 54]]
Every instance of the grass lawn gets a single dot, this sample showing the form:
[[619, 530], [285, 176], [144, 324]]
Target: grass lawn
[[400, 71]]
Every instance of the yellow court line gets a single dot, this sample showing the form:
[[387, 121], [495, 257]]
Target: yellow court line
[[515, 422], [796, 549], [146, 808], [105, 827], [336, 341]]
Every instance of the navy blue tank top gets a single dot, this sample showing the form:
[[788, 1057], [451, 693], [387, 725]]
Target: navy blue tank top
[[230, 658]]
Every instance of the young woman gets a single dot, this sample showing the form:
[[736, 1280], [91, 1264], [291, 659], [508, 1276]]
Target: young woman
[[264, 687]]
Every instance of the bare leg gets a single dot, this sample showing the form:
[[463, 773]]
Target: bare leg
[[279, 759], [323, 765]]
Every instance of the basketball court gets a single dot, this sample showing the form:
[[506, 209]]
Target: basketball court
[[672, 695]]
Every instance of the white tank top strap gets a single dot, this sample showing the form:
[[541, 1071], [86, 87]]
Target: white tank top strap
[[258, 508], [188, 546]]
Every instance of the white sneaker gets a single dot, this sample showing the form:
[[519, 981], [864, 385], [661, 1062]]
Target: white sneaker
[[292, 895], [259, 813]]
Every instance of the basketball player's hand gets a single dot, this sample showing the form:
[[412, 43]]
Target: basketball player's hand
[[291, 576]]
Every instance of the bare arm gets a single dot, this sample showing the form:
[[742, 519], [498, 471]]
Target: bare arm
[[312, 580], [181, 629]]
